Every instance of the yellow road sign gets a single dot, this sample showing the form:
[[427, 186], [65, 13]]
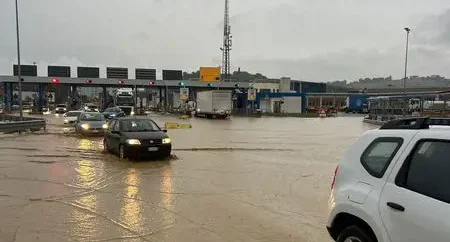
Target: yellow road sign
[[210, 74]]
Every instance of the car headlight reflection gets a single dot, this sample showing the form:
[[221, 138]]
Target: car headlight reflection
[[105, 126], [166, 141], [85, 126], [133, 142]]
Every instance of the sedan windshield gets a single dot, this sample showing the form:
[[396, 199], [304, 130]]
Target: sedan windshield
[[60, 106], [92, 117], [139, 125]]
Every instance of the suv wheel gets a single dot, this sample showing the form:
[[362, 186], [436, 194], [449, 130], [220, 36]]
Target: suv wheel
[[354, 234]]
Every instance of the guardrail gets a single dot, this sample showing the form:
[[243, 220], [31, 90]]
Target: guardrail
[[11, 124]]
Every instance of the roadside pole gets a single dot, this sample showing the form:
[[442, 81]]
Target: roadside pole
[[19, 74]]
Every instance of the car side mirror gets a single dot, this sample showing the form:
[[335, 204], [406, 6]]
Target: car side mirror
[[164, 130]]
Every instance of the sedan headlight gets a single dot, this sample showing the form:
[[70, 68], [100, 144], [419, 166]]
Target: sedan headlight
[[113, 115], [133, 142], [166, 141], [105, 126], [66, 121], [96, 109], [132, 113], [85, 126]]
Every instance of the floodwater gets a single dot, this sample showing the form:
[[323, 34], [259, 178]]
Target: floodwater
[[245, 179]]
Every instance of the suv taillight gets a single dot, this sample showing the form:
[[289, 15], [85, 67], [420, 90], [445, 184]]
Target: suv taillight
[[334, 177]]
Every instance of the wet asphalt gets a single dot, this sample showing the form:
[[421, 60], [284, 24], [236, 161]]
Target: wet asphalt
[[244, 179]]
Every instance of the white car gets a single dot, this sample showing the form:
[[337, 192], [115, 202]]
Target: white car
[[393, 185], [71, 116]]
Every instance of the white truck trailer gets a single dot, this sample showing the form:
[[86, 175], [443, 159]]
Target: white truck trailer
[[214, 104], [124, 99]]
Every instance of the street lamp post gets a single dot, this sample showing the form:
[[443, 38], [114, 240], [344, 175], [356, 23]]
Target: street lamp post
[[407, 29], [19, 76]]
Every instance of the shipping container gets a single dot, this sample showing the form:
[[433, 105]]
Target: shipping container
[[357, 103], [214, 104]]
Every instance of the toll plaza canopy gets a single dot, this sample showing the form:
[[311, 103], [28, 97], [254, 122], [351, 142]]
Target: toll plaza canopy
[[126, 82]]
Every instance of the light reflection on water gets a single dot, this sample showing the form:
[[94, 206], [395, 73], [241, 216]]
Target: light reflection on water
[[86, 174], [167, 190], [131, 208]]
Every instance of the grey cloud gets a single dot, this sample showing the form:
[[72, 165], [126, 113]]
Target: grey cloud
[[434, 30], [316, 40]]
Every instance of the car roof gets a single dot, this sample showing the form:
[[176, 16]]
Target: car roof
[[132, 118], [91, 112]]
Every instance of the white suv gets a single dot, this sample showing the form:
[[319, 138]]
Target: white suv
[[393, 185]]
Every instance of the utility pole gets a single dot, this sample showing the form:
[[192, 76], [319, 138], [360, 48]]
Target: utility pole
[[407, 29], [227, 43], [19, 74]]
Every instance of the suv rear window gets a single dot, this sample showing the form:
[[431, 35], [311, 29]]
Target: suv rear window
[[379, 154], [427, 171]]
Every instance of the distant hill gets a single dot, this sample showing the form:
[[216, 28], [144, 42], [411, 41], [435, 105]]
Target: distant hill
[[241, 76], [434, 81]]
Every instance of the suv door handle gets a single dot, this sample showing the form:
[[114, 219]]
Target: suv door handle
[[396, 206]]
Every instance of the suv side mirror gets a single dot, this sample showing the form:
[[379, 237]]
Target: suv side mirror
[[164, 130]]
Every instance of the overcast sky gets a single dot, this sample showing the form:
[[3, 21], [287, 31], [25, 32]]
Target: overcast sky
[[317, 40]]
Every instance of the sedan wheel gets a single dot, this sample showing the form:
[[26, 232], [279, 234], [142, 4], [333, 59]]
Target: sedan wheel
[[105, 146], [121, 152]]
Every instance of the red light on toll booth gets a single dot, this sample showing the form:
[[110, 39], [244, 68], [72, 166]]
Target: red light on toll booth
[[121, 82], [88, 81], [55, 81], [152, 83]]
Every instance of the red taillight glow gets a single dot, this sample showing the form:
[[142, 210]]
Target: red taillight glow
[[334, 177]]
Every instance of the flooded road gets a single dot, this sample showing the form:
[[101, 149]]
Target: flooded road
[[246, 179]]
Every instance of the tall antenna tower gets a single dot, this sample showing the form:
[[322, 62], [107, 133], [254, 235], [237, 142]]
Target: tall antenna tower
[[227, 42]]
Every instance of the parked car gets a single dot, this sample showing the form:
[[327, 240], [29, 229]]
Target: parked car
[[71, 117], [61, 108], [90, 123], [113, 112], [136, 138], [392, 185]]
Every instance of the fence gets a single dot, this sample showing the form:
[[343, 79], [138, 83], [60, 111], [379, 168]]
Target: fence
[[11, 124]]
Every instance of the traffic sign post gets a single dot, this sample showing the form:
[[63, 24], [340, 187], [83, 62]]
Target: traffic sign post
[[184, 93]]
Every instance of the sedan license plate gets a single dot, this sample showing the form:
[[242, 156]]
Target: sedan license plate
[[153, 148], [94, 131]]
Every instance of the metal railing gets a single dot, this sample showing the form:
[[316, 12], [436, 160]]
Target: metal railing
[[11, 124]]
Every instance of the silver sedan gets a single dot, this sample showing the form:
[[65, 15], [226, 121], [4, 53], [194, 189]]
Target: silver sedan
[[91, 123]]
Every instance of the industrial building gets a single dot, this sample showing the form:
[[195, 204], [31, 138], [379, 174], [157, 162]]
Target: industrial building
[[285, 95]]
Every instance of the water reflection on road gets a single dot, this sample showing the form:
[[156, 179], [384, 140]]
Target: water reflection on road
[[240, 180]]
